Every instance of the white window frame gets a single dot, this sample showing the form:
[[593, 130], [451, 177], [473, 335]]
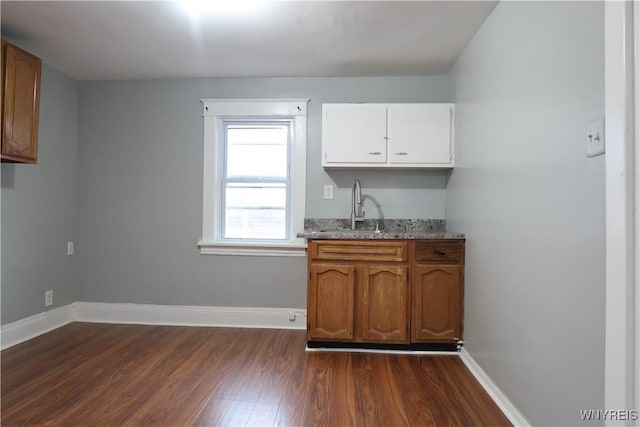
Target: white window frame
[[214, 112]]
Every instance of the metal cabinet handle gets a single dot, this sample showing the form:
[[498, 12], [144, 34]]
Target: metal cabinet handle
[[400, 153], [375, 153], [439, 252]]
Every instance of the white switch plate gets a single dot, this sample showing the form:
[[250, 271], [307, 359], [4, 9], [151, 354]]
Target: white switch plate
[[328, 192], [595, 138], [69, 248], [48, 298]]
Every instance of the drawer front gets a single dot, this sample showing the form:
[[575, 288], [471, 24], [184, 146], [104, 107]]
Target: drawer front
[[439, 251], [359, 250]]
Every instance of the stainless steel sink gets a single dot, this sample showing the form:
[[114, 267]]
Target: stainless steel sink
[[345, 231]]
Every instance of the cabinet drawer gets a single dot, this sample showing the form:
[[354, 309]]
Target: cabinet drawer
[[359, 250], [439, 251]]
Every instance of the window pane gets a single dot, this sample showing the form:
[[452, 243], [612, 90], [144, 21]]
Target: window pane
[[257, 150], [255, 211]]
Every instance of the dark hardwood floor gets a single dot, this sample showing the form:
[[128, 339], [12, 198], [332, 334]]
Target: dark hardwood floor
[[131, 375]]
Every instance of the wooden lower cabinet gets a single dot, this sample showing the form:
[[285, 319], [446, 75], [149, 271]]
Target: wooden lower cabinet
[[330, 298], [366, 303], [384, 303], [395, 292], [437, 303]]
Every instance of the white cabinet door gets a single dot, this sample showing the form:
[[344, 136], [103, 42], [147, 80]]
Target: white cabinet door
[[354, 133], [419, 133]]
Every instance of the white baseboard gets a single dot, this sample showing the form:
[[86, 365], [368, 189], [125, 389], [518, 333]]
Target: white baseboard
[[185, 315], [30, 327], [503, 402], [149, 314]]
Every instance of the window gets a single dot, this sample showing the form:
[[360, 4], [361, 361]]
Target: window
[[254, 177]]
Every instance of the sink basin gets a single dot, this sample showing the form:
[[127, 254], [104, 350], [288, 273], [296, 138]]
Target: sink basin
[[345, 231]]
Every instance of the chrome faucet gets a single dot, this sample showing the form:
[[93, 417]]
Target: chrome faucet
[[357, 214]]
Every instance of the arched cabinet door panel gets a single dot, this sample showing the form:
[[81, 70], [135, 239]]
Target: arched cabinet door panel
[[20, 104], [330, 301], [437, 303]]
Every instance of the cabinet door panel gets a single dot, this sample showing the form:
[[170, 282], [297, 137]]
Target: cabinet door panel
[[359, 250], [330, 301], [21, 106], [384, 298], [354, 133], [437, 303], [419, 133]]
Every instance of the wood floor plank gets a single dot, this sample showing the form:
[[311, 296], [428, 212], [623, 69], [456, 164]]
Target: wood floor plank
[[234, 348], [135, 375], [172, 392], [67, 382], [365, 389], [418, 412]]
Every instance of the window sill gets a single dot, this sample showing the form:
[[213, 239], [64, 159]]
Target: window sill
[[251, 249]]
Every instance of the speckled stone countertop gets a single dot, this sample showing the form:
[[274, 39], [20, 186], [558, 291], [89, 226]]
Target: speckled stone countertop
[[323, 228]]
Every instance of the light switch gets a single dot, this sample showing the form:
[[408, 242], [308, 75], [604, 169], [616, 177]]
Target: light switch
[[328, 191], [595, 138]]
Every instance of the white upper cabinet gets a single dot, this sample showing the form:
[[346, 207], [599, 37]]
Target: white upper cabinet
[[354, 133], [387, 135]]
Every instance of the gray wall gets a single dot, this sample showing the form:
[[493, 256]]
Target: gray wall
[[39, 208], [140, 189], [532, 205]]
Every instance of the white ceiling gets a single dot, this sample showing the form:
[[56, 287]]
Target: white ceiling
[[91, 40]]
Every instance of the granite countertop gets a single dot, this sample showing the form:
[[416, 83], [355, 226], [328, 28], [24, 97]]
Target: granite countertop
[[322, 228]]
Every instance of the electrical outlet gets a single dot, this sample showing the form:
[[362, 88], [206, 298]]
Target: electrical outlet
[[69, 248], [595, 138], [48, 298], [328, 192]]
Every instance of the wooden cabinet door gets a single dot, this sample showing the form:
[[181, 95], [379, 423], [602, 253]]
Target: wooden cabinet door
[[330, 298], [420, 133], [383, 303], [21, 101], [437, 303], [354, 133]]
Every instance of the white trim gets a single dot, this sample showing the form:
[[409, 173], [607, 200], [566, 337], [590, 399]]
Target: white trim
[[501, 399], [255, 107], [636, 333], [30, 327], [185, 315], [218, 248], [621, 286], [216, 109]]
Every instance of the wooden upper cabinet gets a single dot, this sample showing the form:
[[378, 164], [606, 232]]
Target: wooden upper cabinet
[[384, 303], [20, 105]]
